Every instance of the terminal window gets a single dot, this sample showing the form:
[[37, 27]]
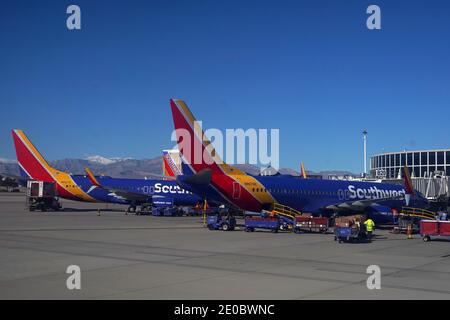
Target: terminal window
[[416, 158], [423, 158], [432, 158], [440, 157], [410, 159]]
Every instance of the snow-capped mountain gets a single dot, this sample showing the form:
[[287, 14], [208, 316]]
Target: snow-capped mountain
[[103, 160], [4, 160]]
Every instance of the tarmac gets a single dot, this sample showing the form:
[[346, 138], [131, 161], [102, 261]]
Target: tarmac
[[144, 257]]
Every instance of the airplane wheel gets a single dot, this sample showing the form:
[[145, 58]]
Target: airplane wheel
[[426, 238], [131, 209]]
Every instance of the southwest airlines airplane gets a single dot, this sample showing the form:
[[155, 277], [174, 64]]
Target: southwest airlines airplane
[[213, 179], [132, 192]]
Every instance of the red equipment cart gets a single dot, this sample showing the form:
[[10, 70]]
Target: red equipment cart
[[311, 224], [434, 228]]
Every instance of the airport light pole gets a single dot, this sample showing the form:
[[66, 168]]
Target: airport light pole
[[365, 152]]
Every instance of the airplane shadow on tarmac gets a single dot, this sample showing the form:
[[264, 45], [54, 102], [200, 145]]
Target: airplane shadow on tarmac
[[88, 210]]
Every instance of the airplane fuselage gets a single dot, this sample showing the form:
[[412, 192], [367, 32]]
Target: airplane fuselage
[[161, 190], [314, 196]]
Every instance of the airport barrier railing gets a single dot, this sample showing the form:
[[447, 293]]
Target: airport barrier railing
[[418, 212], [286, 211]]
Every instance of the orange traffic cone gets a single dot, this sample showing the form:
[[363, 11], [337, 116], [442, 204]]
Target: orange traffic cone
[[409, 231]]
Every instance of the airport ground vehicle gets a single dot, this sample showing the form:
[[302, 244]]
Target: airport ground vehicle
[[404, 222], [42, 196], [254, 222], [167, 211], [221, 222], [311, 224], [350, 234], [430, 229]]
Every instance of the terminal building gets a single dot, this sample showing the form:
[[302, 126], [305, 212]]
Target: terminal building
[[422, 163]]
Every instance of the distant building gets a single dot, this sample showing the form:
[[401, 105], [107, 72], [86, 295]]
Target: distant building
[[421, 163]]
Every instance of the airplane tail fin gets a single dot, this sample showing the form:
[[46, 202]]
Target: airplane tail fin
[[408, 182], [172, 166], [303, 171], [91, 177], [195, 148], [32, 164], [408, 185]]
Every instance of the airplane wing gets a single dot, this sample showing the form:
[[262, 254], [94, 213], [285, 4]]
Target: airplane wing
[[19, 179], [360, 205], [125, 194]]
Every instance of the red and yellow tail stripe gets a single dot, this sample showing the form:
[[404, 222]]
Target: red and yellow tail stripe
[[91, 177], [408, 182], [37, 168], [302, 170]]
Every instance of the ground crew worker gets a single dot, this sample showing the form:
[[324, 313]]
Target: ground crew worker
[[370, 225]]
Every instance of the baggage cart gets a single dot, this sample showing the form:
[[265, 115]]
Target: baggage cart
[[252, 223], [433, 229], [311, 224], [350, 234]]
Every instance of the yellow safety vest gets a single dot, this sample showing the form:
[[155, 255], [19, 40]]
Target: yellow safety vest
[[369, 224]]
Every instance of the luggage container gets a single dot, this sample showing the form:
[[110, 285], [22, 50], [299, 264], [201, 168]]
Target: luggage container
[[42, 196], [432, 229], [170, 212], [350, 234], [311, 224], [156, 211]]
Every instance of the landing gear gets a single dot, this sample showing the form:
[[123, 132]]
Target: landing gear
[[131, 209]]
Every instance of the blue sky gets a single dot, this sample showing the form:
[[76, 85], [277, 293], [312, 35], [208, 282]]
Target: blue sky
[[310, 68]]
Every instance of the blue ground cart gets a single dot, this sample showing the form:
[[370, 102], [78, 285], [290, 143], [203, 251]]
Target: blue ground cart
[[350, 234], [251, 223], [219, 222]]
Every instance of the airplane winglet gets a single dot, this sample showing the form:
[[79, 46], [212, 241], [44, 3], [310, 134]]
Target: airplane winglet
[[408, 182], [303, 171], [91, 177]]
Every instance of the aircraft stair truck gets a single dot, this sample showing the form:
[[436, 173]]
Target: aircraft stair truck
[[411, 217], [286, 215], [42, 196]]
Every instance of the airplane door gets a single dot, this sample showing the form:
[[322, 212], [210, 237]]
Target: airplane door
[[236, 190]]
